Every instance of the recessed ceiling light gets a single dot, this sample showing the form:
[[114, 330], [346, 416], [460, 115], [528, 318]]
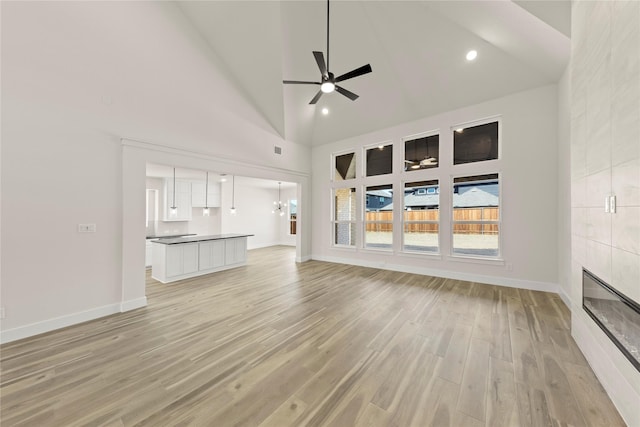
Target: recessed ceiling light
[[471, 55], [325, 111]]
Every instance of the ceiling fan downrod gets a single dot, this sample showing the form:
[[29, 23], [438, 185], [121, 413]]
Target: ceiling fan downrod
[[327, 81]]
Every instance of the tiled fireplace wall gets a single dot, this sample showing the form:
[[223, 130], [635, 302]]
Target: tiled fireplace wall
[[605, 161]]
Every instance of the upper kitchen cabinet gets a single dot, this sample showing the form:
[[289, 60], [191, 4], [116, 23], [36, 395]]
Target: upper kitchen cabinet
[[182, 200], [198, 199]]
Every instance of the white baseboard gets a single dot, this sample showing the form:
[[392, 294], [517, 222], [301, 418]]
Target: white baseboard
[[49, 325], [447, 274], [263, 245], [133, 304], [57, 323], [304, 258], [565, 298]]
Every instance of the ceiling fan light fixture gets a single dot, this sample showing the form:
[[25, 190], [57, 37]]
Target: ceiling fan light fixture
[[327, 87]]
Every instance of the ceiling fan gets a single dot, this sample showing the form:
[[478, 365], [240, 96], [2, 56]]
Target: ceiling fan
[[328, 80]]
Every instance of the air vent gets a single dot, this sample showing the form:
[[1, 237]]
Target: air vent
[[277, 150]]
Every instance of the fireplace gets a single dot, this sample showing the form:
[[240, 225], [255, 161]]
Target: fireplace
[[617, 315]]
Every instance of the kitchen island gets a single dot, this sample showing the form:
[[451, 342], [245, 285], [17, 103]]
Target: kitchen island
[[184, 257]]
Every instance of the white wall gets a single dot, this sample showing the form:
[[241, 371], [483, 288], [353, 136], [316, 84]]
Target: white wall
[[564, 187], [529, 192], [76, 78], [253, 213], [199, 224], [605, 160]]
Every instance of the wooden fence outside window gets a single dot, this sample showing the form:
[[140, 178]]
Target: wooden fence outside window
[[459, 214]]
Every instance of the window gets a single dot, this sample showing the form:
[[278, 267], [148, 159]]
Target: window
[[293, 216], [421, 217], [345, 166], [421, 153], [475, 143], [378, 223], [476, 216], [379, 160], [344, 216]]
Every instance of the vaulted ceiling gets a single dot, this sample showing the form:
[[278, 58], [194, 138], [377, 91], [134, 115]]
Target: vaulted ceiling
[[416, 49]]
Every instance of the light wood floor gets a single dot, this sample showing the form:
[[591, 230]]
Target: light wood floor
[[277, 343]]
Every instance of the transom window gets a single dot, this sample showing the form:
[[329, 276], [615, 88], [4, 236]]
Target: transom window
[[379, 160], [421, 153], [345, 166], [475, 143]]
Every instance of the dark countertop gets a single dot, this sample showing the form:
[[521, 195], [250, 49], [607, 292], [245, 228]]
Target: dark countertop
[[170, 236], [194, 239]]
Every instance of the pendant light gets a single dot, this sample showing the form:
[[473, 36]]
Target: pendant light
[[233, 195], [279, 205], [205, 211], [173, 210]]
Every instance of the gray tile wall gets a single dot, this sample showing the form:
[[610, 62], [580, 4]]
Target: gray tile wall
[[605, 143]]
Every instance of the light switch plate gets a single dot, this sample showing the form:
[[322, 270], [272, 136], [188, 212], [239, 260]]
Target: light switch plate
[[612, 204], [86, 228]]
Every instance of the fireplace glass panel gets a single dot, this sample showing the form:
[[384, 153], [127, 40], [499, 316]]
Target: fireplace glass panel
[[617, 315]]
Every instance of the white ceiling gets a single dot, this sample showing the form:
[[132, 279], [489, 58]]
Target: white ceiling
[[416, 49]]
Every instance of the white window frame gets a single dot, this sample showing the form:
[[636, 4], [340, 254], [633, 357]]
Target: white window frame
[[418, 136], [364, 159], [404, 222], [497, 257], [289, 220], [333, 165], [335, 221], [365, 222], [474, 123]]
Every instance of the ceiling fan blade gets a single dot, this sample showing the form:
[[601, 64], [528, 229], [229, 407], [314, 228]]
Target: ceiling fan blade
[[321, 64], [354, 73], [315, 98], [297, 82], [352, 96]]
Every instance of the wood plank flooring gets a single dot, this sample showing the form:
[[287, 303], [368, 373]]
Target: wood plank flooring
[[276, 343]]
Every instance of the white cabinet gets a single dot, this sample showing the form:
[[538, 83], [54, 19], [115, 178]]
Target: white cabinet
[[197, 256], [148, 255], [236, 250], [198, 189], [182, 199], [212, 254], [181, 259]]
